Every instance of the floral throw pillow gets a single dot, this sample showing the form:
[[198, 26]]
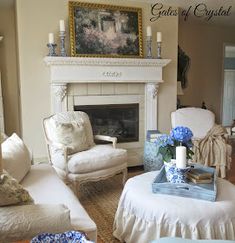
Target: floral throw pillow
[[11, 192], [72, 135]]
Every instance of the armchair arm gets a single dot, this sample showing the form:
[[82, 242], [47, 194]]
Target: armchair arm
[[61, 147], [50, 143], [107, 138], [58, 145]]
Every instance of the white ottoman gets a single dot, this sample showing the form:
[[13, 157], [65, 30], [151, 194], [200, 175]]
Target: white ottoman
[[143, 216]]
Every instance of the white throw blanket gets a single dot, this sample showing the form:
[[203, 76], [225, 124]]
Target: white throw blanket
[[213, 150]]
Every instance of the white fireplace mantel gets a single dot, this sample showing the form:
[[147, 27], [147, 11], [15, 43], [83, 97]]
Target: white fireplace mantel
[[65, 70]]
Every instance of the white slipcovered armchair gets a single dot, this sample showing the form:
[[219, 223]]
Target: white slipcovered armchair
[[206, 134], [73, 153], [200, 121]]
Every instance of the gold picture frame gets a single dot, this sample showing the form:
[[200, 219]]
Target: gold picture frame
[[100, 30]]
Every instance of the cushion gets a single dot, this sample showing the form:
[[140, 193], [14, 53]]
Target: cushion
[[68, 117], [72, 135], [11, 192], [26, 221], [16, 157], [96, 158]]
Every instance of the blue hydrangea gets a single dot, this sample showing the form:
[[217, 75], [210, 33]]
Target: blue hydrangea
[[164, 140], [181, 134]]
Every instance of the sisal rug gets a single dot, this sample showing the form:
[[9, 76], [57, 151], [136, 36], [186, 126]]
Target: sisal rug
[[100, 199]]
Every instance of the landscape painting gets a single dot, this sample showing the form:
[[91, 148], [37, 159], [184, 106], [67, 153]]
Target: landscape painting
[[105, 30]]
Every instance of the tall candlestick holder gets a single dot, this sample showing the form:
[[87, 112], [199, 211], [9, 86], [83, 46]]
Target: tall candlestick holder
[[159, 50], [52, 47], [62, 44], [149, 47]]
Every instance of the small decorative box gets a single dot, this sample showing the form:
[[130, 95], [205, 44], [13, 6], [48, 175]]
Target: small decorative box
[[152, 135], [199, 191]]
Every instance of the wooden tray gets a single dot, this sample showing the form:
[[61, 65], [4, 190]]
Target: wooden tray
[[199, 191]]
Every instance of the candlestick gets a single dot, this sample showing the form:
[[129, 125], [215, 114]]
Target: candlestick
[[159, 36], [181, 157], [159, 50], [51, 38], [62, 44], [149, 31], [51, 47], [149, 47], [62, 27]]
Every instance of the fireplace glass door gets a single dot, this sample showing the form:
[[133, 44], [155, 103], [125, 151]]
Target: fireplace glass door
[[121, 121]]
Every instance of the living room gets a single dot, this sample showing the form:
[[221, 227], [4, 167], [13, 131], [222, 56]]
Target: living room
[[36, 84]]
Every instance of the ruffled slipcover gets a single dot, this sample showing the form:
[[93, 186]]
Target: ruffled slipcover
[[143, 216]]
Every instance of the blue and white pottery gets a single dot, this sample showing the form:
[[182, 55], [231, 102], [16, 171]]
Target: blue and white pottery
[[66, 237], [174, 174]]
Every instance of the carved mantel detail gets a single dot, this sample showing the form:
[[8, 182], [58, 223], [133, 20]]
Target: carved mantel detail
[[112, 74], [153, 89], [59, 91], [82, 61]]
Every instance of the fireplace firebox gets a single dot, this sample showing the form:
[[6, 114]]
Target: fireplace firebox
[[121, 121]]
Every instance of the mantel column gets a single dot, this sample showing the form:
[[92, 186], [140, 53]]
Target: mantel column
[[58, 97], [151, 90]]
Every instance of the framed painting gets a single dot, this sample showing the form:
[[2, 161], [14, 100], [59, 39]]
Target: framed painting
[[99, 30]]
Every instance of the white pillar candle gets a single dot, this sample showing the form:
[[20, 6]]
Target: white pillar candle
[[181, 157], [159, 36], [149, 31], [62, 27], [51, 38]]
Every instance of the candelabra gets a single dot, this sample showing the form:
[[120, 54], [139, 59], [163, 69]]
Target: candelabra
[[149, 47], [62, 44], [52, 47], [159, 49]]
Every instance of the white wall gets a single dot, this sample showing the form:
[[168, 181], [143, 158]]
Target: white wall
[[204, 45], [8, 67], [35, 19]]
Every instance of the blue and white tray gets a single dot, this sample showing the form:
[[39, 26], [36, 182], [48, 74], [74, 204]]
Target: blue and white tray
[[199, 191]]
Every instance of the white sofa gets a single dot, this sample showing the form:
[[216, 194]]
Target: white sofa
[[56, 208], [45, 187]]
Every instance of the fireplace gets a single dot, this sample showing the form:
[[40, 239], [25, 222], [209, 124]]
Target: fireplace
[[116, 120], [81, 81]]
